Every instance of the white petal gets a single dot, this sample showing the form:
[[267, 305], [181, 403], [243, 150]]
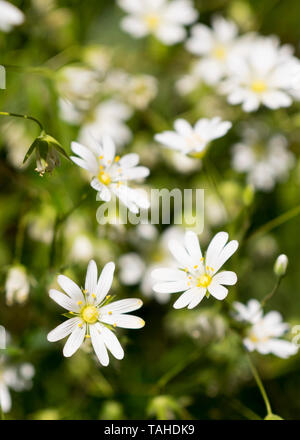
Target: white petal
[[217, 291], [112, 343], [225, 254], [122, 306], [226, 277], [215, 247], [124, 321], [134, 173], [282, 348], [180, 254], [197, 298], [104, 282], [109, 150], [183, 127], [171, 286], [70, 287], [75, 340], [85, 154], [91, 278], [192, 245], [64, 301], [187, 297], [63, 330], [98, 344], [167, 274], [83, 164], [129, 160]]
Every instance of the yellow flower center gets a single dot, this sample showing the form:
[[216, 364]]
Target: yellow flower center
[[104, 178], [219, 52], [203, 281], [90, 314], [152, 21], [258, 86]]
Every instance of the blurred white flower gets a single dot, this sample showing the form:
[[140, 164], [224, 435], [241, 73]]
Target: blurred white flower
[[17, 285], [214, 46], [195, 275], [111, 173], [252, 312], [264, 333], [264, 73], [77, 83], [146, 231], [162, 18], [10, 16], [82, 249], [93, 314], [132, 268], [193, 140], [18, 378], [141, 90], [108, 119], [264, 164]]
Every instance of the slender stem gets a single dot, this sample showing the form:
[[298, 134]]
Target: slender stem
[[177, 369], [2, 413], [281, 219], [58, 222], [213, 183], [273, 291], [17, 115], [260, 386]]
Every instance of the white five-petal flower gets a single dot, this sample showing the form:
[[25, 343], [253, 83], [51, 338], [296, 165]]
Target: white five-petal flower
[[163, 18], [264, 331], [197, 275], [265, 73], [94, 316], [214, 46], [111, 173], [265, 164], [193, 140], [10, 16]]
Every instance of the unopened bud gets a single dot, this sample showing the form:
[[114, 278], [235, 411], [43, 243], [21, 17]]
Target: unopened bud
[[280, 265]]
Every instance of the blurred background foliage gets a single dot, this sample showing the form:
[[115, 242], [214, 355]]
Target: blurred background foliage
[[183, 364]]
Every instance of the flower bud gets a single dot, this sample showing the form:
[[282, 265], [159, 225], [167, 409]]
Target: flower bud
[[47, 150], [17, 285], [280, 265]]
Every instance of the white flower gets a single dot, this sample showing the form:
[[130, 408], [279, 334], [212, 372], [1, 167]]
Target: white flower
[[214, 46], [18, 378], [162, 18], [252, 312], [17, 285], [264, 164], [264, 333], [10, 16], [264, 74], [111, 173], [197, 275], [193, 140], [141, 90], [94, 316], [77, 82], [132, 268], [108, 119]]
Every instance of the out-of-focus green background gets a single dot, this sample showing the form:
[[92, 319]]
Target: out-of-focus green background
[[182, 364]]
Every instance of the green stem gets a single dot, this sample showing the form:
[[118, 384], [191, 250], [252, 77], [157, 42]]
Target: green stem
[[267, 227], [273, 291], [177, 369], [17, 115], [58, 222], [260, 386]]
